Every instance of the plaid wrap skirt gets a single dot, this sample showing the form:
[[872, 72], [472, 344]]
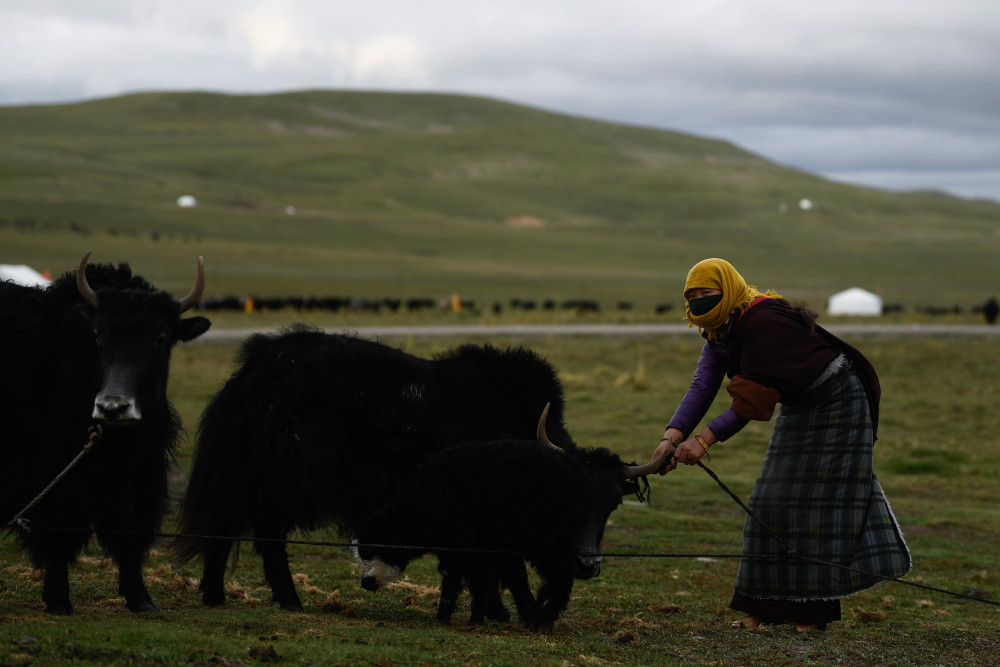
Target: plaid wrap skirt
[[818, 493]]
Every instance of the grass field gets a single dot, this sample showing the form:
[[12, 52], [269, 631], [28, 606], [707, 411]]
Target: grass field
[[938, 458]]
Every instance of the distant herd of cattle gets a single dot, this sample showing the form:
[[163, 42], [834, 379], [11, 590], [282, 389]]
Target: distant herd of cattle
[[465, 455], [393, 305], [336, 304]]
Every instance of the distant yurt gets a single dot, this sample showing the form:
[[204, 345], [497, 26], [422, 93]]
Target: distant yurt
[[854, 301], [23, 275]]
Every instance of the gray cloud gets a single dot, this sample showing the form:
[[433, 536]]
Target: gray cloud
[[892, 94]]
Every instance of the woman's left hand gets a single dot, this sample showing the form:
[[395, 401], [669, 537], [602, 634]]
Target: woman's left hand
[[691, 450]]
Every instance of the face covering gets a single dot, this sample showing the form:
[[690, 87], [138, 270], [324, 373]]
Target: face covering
[[704, 304], [715, 273]]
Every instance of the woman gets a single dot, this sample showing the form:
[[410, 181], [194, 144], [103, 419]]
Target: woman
[[816, 492]]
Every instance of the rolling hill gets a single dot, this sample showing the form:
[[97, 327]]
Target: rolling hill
[[378, 194]]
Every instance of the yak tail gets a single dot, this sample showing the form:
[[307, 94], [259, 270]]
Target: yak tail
[[216, 503]]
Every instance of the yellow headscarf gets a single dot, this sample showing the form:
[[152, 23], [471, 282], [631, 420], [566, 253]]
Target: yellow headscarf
[[736, 293]]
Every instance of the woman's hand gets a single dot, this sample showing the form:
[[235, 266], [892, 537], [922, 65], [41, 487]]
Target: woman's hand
[[670, 437], [691, 450]]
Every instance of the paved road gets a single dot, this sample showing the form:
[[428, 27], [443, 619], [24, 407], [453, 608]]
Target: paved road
[[228, 336]]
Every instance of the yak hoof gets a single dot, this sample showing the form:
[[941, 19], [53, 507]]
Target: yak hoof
[[541, 627], [294, 605], [61, 609], [528, 620], [143, 607], [213, 600]]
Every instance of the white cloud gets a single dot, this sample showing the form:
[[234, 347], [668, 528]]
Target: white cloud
[[389, 58], [271, 36], [278, 44]]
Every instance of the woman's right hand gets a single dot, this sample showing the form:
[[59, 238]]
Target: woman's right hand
[[667, 445]]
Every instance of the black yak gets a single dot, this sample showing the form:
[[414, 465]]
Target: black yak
[[91, 348], [316, 428], [497, 500]]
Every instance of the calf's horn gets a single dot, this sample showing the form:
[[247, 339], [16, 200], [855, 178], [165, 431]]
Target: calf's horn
[[82, 285], [540, 432], [194, 296], [648, 468]]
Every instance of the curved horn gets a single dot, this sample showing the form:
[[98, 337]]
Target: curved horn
[[194, 296], [81, 282], [648, 468], [540, 432]]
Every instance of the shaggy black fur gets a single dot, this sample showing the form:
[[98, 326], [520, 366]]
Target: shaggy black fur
[[506, 496], [56, 353], [316, 428]]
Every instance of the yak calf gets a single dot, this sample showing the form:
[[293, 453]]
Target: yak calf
[[499, 500]]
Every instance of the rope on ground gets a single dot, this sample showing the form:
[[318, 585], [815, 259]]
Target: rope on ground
[[501, 552], [21, 523], [791, 554]]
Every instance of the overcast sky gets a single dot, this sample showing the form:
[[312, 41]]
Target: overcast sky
[[896, 94]]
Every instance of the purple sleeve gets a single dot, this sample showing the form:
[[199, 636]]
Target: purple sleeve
[[727, 424], [707, 380]]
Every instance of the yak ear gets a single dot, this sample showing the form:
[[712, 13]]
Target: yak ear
[[638, 486], [193, 327]]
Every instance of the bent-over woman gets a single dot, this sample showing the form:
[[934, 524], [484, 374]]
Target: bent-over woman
[[816, 491]]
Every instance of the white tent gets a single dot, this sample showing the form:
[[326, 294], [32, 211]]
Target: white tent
[[22, 275], [854, 301]]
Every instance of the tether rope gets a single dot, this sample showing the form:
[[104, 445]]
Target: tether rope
[[791, 554], [21, 523], [352, 545]]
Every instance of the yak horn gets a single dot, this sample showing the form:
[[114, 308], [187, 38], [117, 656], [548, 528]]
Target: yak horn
[[194, 296], [648, 468], [82, 285], [88, 294], [541, 434]]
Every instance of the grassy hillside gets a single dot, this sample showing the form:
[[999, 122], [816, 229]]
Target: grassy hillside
[[405, 194]]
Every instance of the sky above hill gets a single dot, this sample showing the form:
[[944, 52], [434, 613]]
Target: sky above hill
[[892, 94]]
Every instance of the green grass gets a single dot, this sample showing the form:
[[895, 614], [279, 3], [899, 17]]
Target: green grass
[[938, 459], [411, 194]]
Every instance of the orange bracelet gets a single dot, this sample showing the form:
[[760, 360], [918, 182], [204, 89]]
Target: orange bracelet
[[701, 441]]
